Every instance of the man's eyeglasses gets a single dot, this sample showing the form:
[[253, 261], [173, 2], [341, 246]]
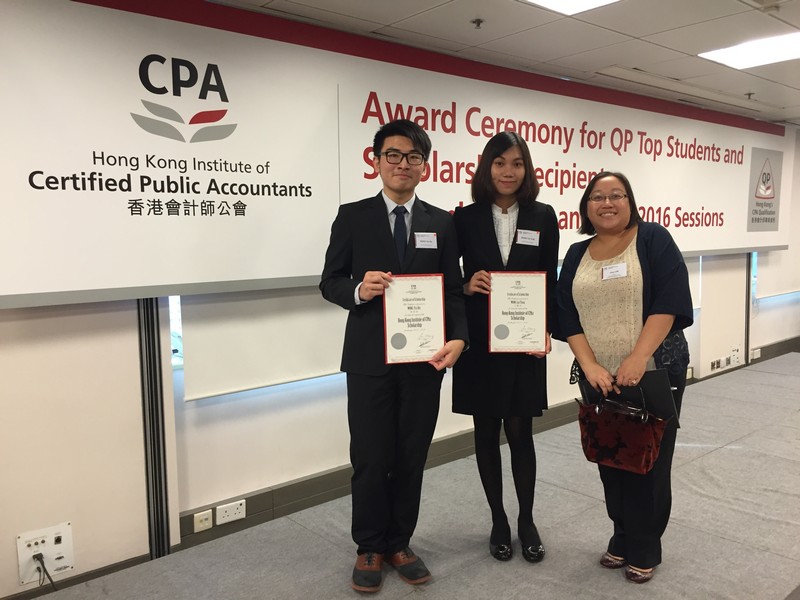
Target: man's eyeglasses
[[615, 197], [395, 157]]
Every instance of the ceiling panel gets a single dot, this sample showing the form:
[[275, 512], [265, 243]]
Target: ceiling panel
[[453, 21], [286, 10], [498, 58], [721, 33], [557, 39], [647, 47], [740, 84], [633, 53], [629, 80], [684, 68], [789, 12], [419, 40], [787, 72], [380, 11], [639, 18]]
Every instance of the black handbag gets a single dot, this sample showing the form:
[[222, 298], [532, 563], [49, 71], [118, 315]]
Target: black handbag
[[652, 395]]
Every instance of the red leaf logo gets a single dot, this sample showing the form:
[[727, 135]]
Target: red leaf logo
[[208, 116]]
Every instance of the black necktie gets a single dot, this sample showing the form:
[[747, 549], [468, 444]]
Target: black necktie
[[400, 238]]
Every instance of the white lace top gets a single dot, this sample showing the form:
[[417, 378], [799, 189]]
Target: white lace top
[[610, 308]]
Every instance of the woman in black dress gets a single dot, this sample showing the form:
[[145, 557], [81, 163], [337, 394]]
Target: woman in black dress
[[505, 229]]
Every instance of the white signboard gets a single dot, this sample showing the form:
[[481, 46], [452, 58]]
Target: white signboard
[[692, 177], [149, 156]]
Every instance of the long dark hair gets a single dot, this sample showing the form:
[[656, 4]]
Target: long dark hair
[[586, 225], [483, 190]]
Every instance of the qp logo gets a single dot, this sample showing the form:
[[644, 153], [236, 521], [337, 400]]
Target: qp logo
[[182, 75], [765, 190]]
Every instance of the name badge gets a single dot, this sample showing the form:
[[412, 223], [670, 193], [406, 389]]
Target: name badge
[[615, 271], [527, 237], [424, 239]]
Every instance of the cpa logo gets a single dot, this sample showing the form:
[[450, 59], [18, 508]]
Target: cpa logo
[[182, 75]]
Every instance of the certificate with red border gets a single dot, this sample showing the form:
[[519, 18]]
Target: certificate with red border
[[413, 318], [518, 311]]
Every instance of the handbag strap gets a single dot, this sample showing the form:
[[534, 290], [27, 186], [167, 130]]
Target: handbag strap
[[625, 409]]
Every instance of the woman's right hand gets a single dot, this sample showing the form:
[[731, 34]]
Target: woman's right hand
[[600, 379], [479, 282]]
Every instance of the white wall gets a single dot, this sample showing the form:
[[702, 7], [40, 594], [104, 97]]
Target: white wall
[[721, 320], [240, 443], [71, 442], [777, 318]]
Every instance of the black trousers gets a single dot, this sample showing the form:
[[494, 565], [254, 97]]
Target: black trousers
[[392, 419], [640, 505]]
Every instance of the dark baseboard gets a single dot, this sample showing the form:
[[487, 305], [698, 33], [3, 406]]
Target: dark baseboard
[[777, 349]]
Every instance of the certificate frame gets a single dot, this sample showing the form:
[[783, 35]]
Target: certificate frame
[[517, 311], [413, 318]]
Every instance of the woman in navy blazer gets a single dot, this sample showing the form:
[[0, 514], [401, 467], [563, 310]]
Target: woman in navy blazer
[[623, 303], [505, 229]]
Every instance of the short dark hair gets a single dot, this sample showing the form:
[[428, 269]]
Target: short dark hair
[[586, 225], [406, 128], [483, 190]]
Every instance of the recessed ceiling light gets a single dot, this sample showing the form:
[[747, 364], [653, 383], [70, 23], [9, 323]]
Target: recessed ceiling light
[[570, 7], [758, 52]]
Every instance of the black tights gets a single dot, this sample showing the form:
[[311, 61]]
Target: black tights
[[519, 433]]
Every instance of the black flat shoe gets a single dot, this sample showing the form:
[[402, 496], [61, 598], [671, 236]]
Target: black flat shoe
[[532, 548], [500, 541], [501, 552], [533, 554]]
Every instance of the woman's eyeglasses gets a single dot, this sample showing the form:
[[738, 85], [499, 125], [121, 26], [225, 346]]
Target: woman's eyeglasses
[[615, 197]]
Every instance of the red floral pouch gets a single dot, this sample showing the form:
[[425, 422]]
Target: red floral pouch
[[619, 440]]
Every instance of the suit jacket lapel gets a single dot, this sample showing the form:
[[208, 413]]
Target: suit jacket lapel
[[380, 218], [488, 237], [420, 221]]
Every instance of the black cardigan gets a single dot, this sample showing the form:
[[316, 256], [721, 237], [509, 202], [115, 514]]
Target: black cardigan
[[665, 291]]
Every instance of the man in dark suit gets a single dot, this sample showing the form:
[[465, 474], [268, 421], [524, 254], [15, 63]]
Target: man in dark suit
[[391, 409]]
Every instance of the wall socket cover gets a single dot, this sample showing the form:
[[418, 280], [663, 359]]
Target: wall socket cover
[[203, 520], [233, 511], [55, 545]]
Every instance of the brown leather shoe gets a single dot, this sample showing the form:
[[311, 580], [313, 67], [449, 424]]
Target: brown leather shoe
[[637, 575], [409, 566], [609, 561], [367, 574]]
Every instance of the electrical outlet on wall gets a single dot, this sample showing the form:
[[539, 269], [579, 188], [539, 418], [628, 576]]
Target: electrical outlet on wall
[[736, 356], [202, 521], [233, 511], [52, 544]]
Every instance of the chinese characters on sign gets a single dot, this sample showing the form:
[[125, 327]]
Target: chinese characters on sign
[[139, 207]]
